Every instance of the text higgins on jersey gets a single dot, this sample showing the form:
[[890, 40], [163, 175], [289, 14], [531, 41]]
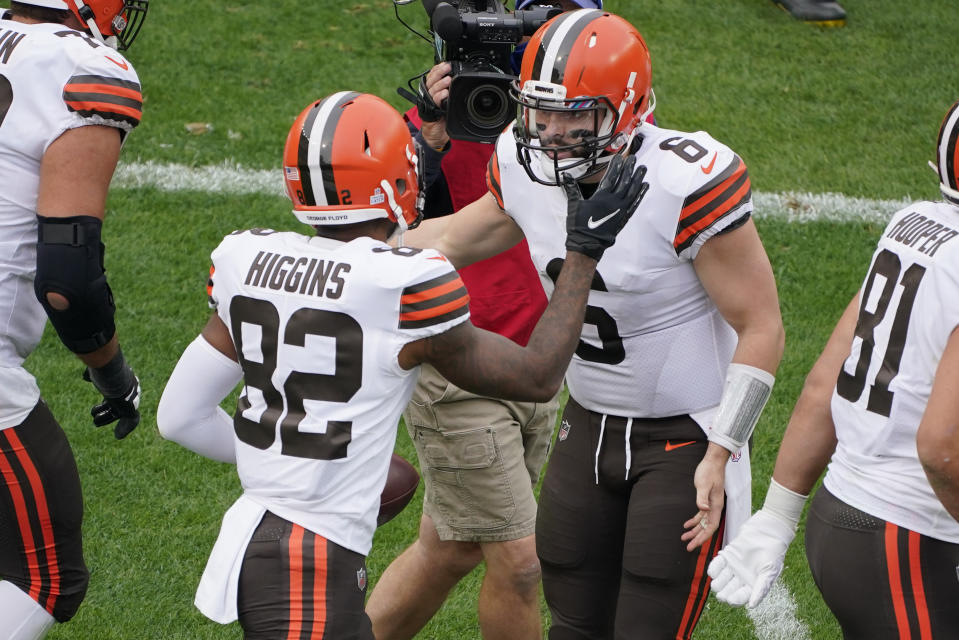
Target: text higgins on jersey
[[308, 276]]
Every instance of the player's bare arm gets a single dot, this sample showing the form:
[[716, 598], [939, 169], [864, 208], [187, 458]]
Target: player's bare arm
[[810, 437], [735, 271], [938, 437], [477, 231], [489, 364], [75, 175], [74, 180]]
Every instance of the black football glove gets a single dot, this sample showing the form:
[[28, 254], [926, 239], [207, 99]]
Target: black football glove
[[121, 395], [592, 225]]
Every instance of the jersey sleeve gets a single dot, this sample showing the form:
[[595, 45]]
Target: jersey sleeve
[[493, 182], [215, 286], [104, 89], [720, 198], [434, 301]]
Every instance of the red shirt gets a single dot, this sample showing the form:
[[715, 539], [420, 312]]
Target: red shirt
[[506, 295]]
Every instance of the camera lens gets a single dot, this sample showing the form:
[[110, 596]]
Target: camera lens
[[486, 105]]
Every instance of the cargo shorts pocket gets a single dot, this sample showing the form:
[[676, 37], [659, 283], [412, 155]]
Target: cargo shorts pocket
[[471, 487]]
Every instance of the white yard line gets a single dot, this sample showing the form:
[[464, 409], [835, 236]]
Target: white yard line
[[775, 617], [231, 178]]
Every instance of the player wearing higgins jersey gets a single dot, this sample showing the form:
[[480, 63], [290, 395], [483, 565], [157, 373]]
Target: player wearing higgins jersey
[[327, 333], [879, 409], [655, 407], [67, 101]]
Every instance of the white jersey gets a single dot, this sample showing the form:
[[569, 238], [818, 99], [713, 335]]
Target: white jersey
[[908, 308], [52, 79], [654, 343], [318, 326]]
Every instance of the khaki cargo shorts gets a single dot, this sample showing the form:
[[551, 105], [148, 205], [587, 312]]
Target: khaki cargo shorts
[[480, 459]]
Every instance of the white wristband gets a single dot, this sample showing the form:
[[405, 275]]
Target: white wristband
[[784, 503], [745, 394]]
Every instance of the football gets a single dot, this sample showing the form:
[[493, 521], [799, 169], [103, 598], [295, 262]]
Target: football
[[401, 483]]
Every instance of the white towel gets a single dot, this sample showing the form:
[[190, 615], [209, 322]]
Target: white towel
[[738, 483], [216, 594]]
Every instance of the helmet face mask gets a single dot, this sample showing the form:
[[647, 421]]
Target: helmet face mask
[[566, 136], [350, 158], [115, 23], [586, 64]]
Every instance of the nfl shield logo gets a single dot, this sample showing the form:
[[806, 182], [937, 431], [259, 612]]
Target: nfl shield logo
[[564, 430], [361, 579]]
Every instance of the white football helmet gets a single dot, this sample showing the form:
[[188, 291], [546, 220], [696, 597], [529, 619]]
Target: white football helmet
[[113, 22]]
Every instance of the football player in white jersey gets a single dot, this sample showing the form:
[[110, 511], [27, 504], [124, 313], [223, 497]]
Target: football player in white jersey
[[327, 333], [636, 481], [879, 408], [68, 99]]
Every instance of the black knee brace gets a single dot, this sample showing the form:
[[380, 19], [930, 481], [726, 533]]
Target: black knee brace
[[70, 263]]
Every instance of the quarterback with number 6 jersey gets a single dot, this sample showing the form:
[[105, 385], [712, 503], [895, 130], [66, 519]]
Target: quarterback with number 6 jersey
[[681, 339], [327, 333], [879, 408]]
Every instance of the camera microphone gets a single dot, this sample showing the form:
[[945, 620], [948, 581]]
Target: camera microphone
[[446, 21]]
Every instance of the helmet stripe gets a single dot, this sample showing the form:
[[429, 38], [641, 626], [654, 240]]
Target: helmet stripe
[[316, 149], [302, 158], [558, 41], [949, 152]]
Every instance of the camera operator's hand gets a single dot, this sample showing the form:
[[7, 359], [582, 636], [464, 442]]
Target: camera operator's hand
[[592, 225], [434, 90]]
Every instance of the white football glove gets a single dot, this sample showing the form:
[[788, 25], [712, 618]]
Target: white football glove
[[745, 570]]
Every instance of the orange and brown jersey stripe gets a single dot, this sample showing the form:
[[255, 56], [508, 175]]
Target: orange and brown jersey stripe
[[209, 288], [433, 302], [703, 208], [493, 182], [109, 98]]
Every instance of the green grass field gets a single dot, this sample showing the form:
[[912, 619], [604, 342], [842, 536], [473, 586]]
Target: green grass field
[[850, 111]]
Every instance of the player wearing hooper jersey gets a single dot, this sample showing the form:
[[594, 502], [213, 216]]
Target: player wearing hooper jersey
[[656, 408], [67, 102], [879, 409], [327, 333]]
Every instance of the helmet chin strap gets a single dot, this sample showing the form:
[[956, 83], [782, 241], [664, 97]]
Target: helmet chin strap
[[396, 209], [87, 15]]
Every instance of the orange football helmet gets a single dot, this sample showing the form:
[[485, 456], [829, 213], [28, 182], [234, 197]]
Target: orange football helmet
[[947, 155], [587, 64], [113, 22], [349, 158]]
